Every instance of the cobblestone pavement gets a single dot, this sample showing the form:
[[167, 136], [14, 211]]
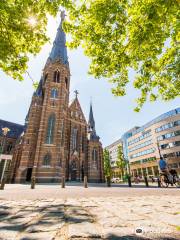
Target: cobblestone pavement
[[74, 190], [90, 217]]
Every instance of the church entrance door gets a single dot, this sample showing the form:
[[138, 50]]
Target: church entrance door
[[29, 174], [73, 175]]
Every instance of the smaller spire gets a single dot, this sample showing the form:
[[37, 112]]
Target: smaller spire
[[91, 122], [91, 125]]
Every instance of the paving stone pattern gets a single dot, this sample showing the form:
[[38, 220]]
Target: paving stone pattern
[[91, 218]]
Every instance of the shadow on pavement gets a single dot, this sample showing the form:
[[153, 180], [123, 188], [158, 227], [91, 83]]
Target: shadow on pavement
[[34, 219], [134, 237]]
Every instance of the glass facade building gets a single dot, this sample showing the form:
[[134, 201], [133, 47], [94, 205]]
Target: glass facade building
[[159, 137]]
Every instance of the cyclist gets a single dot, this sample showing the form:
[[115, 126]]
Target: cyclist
[[164, 169]]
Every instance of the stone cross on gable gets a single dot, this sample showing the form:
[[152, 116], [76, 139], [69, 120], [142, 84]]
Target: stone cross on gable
[[76, 93]]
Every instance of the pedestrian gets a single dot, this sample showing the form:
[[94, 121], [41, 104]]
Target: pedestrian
[[153, 179]]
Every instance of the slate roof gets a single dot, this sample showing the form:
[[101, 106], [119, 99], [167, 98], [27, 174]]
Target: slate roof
[[59, 49], [15, 129], [39, 90]]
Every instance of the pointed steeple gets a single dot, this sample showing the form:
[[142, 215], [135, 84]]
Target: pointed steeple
[[58, 52], [91, 125], [59, 49], [91, 122]]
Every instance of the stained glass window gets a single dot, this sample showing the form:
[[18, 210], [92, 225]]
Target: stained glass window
[[54, 93], [50, 129]]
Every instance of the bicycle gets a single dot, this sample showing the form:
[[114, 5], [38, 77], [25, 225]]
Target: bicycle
[[164, 180]]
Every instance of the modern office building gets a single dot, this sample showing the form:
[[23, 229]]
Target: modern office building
[[113, 151], [160, 136], [125, 138]]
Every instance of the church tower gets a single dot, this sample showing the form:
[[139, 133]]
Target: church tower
[[45, 145]]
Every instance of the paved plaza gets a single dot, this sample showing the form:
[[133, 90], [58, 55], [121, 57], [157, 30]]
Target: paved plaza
[[49, 212]]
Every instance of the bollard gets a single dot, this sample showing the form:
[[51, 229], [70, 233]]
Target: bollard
[[2, 184], [146, 181], [63, 182], [85, 182], [33, 182], [159, 182], [108, 181], [129, 181]]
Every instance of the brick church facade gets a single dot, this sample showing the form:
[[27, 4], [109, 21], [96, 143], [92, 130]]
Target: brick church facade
[[57, 141]]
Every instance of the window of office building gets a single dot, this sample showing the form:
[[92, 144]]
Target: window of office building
[[167, 126], [174, 165], [144, 135], [168, 135], [170, 145], [147, 151], [140, 145], [169, 155]]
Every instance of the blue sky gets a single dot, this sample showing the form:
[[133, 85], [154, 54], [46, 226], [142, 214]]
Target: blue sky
[[113, 115]]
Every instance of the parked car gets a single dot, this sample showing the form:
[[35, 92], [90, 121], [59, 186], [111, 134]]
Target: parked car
[[115, 180], [152, 178]]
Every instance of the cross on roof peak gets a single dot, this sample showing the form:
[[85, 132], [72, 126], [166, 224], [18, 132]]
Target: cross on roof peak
[[76, 93]]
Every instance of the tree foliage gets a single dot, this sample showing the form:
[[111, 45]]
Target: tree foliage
[[119, 35], [121, 161], [18, 37], [107, 163]]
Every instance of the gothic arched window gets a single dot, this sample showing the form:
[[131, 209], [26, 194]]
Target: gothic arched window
[[54, 93], [57, 76], [66, 82], [95, 157], [74, 138], [45, 77], [50, 129], [47, 160]]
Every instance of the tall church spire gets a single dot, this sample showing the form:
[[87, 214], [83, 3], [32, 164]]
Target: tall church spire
[[91, 125], [59, 49]]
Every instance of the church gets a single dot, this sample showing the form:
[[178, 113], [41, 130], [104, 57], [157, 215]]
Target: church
[[57, 140]]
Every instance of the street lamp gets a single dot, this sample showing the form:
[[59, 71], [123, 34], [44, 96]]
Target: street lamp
[[159, 150], [5, 131]]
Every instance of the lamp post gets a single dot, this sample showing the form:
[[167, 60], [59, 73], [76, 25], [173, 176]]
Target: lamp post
[[159, 150], [5, 131], [160, 156]]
